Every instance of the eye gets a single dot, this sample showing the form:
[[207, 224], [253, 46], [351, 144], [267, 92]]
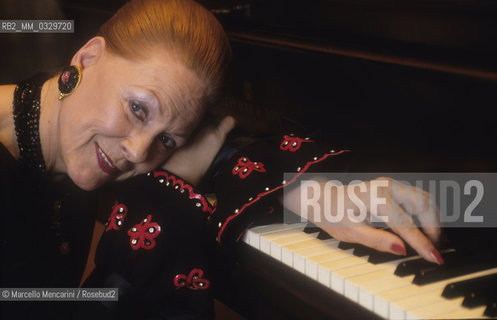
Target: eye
[[167, 141], [139, 111]]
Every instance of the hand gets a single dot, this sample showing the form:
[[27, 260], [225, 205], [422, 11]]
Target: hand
[[401, 203], [191, 161]]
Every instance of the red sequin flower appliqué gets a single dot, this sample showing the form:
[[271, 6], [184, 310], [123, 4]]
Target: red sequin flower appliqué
[[142, 235], [244, 167], [117, 217], [292, 143], [194, 281]]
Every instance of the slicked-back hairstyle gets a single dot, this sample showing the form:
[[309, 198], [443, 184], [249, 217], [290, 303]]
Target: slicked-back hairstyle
[[181, 27]]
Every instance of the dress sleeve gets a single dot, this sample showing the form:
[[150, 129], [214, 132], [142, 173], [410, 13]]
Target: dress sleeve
[[248, 186], [154, 250]]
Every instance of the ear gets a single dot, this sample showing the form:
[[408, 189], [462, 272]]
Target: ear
[[89, 53]]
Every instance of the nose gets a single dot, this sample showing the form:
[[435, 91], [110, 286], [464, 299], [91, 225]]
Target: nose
[[136, 147]]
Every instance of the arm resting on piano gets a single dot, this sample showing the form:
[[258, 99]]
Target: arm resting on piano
[[250, 185], [250, 181]]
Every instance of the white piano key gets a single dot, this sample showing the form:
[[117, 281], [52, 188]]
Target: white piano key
[[414, 303], [255, 233], [339, 277], [369, 283], [381, 307], [367, 274], [300, 256], [266, 239], [464, 313], [366, 296], [326, 268], [246, 237], [287, 251], [312, 263], [429, 310], [277, 244], [353, 290], [411, 290], [385, 298], [414, 296]]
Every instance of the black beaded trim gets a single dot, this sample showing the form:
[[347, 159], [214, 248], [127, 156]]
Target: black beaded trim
[[26, 120]]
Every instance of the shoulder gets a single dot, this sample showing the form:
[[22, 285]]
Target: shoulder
[[6, 98], [7, 138], [7, 92]]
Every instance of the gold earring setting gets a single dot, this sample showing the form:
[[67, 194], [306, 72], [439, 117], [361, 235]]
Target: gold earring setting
[[69, 80]]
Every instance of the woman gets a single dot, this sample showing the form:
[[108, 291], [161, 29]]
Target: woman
[[134, 95]]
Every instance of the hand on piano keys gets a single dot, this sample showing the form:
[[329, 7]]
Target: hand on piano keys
[[392, 286], [401, 204]]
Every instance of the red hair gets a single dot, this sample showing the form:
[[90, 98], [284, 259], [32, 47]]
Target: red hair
[[181, 27]]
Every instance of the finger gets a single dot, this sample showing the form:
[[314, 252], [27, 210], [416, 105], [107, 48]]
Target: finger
[[404, 226], [420, 203], [370, 237], [419, 242], [433, 234], [428, 214]]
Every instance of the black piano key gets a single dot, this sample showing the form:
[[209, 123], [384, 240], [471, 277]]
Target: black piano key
[[473, 300], [480, 297], [465, 287], [349, 245], [491, 310], [414, 266], [324, 235], [377, 257], [312, 228], [346, 245], [410, 252], [382, 257], [361, 251], [456, 267]]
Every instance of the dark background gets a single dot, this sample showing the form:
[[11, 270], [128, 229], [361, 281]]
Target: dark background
[[408, 86]]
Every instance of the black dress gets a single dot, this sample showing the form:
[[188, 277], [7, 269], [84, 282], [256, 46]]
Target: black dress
[[157, 247], [155, 250], [46, 233]]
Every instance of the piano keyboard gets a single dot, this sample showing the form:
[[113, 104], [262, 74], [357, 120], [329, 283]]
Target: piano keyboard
[[393, 287]]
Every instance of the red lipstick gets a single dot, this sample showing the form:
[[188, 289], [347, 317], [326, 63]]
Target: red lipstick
[[105, 162]]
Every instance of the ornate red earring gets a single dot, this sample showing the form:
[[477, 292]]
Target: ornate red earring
[[69, 80]]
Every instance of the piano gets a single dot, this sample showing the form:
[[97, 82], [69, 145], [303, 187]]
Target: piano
[[407, 85], [296, 271]]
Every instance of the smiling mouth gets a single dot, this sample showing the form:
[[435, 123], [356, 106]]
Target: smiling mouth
[[105, 162]]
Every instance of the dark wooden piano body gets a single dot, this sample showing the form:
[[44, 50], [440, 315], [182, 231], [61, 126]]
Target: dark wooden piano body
[[410, 84]]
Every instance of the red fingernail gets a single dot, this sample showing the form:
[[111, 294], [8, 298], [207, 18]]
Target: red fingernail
[[436, 255], [398, 249]]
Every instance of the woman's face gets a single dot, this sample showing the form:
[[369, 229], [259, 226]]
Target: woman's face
[[126, 118]]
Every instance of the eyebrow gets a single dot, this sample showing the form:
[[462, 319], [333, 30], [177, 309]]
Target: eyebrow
[[152, 91]]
